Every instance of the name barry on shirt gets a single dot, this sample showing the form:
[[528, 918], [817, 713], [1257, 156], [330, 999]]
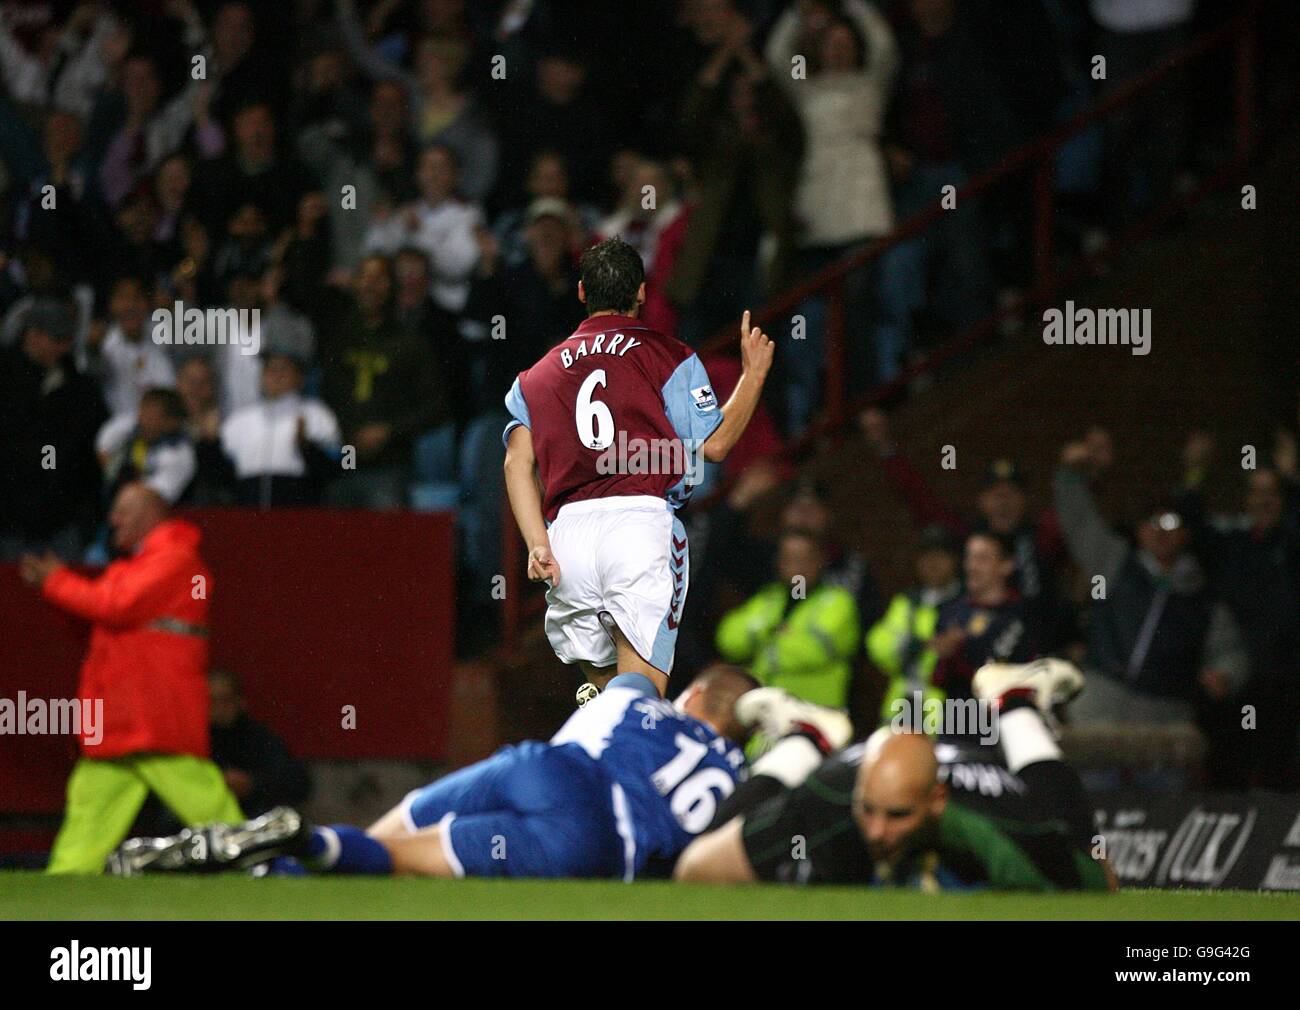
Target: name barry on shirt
[[616, 345]]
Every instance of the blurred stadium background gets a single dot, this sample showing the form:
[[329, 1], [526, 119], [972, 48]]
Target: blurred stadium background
[[423, 174]]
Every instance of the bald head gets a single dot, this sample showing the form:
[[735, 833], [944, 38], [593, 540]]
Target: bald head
[[904, 759], [136, 510], [897, 792]]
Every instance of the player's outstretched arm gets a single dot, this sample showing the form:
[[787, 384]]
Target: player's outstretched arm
[[756, 352], [526, 503]]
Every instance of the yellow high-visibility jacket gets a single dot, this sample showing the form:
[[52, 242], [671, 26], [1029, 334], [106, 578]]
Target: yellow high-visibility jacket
[[804, 646], [897, 645]]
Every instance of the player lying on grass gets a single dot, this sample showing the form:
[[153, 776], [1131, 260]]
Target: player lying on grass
[[620, 789], [608, 436], [887, 812]]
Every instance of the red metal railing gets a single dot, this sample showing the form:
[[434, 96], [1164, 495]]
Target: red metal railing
[[1037, 156]]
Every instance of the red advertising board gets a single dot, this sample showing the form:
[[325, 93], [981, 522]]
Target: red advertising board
[[340, 626]]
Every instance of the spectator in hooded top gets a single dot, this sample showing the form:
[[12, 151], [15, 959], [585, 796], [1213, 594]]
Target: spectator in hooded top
[[1160, 640]]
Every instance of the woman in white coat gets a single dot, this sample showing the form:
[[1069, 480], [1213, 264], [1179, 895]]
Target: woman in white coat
[[837, 63]]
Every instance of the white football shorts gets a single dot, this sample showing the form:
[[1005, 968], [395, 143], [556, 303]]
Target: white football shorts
[[622, 559]]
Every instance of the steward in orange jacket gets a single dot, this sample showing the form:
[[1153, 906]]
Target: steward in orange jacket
[[148, 657], [147, 672]]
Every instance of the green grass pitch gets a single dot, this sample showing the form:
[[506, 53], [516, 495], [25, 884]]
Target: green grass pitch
[[33, 896]]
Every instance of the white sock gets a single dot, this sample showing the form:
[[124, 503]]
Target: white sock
[[1026, 739], [791, 760]]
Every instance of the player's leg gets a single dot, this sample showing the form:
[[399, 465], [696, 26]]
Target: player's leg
[[477, 845], [422, 855], [1025, 695], [103, 799], [539, 811], [631, 661], [190, 787], [579, 840], [572, 622], [283, 834], [478, 788], [599, 676], [646, 578], [718, 857]]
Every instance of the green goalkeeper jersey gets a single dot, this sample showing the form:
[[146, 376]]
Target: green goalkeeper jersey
[[991, 834]]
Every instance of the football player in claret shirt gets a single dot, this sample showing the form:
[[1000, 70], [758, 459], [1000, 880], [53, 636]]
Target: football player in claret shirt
[[614, 424]]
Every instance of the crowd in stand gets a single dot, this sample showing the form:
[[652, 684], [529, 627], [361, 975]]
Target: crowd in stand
[[395, 195], [400, 190]]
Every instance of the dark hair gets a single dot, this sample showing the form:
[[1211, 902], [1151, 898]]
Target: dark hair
[[611, 274], [839, 20], [168, 399], [1006, 546]]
